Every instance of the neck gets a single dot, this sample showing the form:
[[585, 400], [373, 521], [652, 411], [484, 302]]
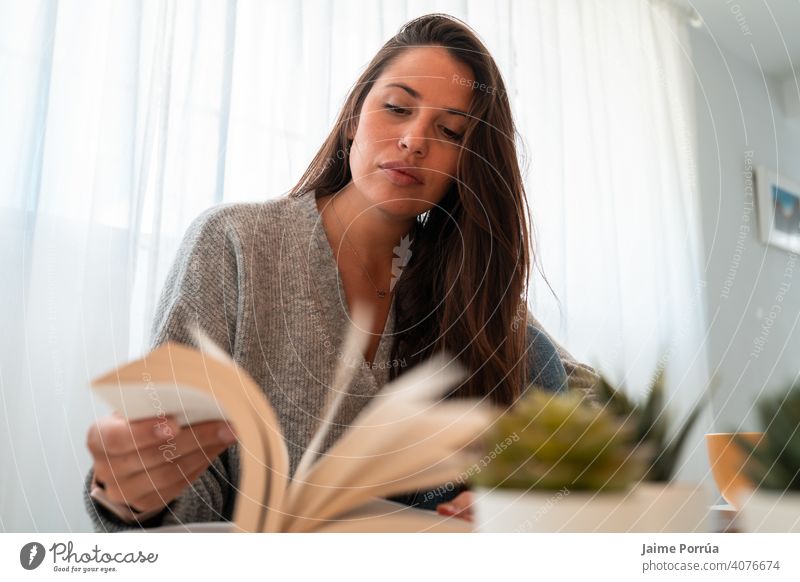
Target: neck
[[372, 232]]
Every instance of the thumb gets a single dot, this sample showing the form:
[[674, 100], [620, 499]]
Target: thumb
[[462, 503]]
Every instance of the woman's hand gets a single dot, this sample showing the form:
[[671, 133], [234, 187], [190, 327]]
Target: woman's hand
[[147, 463], [460, 507]]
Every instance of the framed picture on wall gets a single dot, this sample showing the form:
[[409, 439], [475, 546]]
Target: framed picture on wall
[[778, 210]]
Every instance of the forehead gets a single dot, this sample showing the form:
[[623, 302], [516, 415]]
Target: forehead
[[434, 74]]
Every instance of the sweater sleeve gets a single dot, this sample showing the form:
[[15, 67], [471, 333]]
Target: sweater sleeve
[[580, 376], [202, 287], [545, 367]]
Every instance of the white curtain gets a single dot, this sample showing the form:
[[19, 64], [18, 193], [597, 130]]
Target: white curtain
[[121, 121], [604, 95]]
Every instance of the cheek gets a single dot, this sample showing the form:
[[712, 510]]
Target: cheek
[[448, 167], [369, 141], [445, 166]]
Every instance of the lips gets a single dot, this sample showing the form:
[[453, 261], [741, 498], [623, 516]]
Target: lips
[[402, 173]]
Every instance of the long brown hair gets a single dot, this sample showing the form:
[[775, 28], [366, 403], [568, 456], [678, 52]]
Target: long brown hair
[[464, 287]]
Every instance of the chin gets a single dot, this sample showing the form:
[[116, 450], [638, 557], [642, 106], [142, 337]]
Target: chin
[[404, 209], [400, 203]]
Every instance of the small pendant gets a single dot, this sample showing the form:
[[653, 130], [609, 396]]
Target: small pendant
[[381, 294]]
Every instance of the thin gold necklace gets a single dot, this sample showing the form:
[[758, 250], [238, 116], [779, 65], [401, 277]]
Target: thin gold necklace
[[380, 292]]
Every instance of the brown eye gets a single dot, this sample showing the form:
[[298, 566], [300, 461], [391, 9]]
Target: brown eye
[[450, 134], [396, 109]]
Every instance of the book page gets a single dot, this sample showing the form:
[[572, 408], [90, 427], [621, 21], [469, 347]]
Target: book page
[[405, 439], [178, 380], [402, 441]]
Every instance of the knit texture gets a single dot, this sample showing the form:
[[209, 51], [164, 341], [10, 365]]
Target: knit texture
[[261, 279]]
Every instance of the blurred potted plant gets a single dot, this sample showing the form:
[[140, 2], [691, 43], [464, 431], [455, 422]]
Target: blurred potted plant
[[651, 421], [773, 465], [566, 467], [577, 466], [666, 504]]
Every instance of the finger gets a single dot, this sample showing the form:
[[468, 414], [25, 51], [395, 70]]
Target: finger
[[157, 499], [205, 434], [459, 503], [450, 510], [460, 506], [114, 435], [465, 514], [463, 504], [124, 467], [176, 459], [463, 501], [161, 477], [104, 474], [191, 439]]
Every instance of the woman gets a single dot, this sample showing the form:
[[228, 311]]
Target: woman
[[414, 205]]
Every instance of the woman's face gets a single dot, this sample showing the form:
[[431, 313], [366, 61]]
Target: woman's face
[[412, 119]]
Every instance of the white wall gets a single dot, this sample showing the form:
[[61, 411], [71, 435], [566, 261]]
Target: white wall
[[739, 111]]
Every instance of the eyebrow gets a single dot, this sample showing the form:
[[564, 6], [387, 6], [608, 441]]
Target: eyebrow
[[415, 94]]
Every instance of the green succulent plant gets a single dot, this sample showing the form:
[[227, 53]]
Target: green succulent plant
[[651, 421], [554, 441], [775, 462]]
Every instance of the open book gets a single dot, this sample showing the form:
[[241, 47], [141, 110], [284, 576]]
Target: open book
[[407, 438]]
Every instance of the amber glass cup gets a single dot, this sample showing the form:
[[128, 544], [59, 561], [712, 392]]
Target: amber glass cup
[[727, 460]]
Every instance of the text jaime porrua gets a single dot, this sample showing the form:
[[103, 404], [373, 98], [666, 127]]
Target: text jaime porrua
[[648, 549]]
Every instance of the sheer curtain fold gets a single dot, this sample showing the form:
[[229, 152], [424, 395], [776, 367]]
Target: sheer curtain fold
[[125, 120], [609, 118]]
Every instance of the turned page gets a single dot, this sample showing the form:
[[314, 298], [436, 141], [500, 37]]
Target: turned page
[[195, 386], [405, 439]]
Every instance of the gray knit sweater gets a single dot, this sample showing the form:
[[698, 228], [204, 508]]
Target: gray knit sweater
[[261, 279]]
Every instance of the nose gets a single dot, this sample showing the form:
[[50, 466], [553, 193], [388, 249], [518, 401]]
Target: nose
[[413, 141]]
